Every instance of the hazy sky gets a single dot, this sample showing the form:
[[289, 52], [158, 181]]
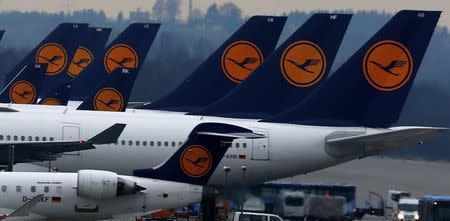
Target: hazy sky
[[249, 7]]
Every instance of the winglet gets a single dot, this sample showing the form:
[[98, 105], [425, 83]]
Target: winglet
[[109, 135], [24, 210]]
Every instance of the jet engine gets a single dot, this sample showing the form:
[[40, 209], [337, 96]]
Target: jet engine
[[102, 185]]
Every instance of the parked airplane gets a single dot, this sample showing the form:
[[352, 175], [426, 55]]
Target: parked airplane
[[95, 194], [294, 143]]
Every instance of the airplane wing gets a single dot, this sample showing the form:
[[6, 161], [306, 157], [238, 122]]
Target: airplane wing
[[369, 144], [32, 151], [24, 210]]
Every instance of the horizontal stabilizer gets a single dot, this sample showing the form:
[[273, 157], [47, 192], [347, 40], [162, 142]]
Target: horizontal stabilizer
[[369, 144], [25, 209]]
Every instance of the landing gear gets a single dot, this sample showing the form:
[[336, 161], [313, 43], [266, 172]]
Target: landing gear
[[209, 204]]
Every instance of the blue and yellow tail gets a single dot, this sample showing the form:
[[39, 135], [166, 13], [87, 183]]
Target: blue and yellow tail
[[25, 86], [128, 50], [196, 160], [55, 50], [90, 48], [291, 73], [113, 93], [230, 64], [370, 89]]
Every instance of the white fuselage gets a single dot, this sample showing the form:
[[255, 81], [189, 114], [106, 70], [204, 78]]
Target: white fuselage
[[61, 202], [150, 137]]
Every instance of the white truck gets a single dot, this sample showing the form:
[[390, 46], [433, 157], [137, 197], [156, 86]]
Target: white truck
[[392, 200], [407, 210], [251, 216], [290, 205]]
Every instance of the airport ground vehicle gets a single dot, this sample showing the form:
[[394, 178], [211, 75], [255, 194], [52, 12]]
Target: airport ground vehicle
[[392, 201], [407, 209], [324, 207], [250, 216], [289, 204], [434, 208]]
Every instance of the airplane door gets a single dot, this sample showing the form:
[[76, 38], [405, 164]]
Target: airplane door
[[260, 147], [71, 133]]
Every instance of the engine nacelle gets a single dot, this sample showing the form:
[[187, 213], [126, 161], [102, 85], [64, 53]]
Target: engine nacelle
[[102, 185]]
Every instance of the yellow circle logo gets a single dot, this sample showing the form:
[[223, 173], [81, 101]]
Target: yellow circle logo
[[51, 101], [54, 56], [82, 58], [303, 64], [196, 161], [22, 92], [108, 99], [120, 56], [388, 65], [240, 59]]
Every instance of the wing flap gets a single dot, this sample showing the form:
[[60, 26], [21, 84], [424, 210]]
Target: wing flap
[[368, 144]]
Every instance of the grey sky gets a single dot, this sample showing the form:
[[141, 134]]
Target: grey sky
[[249, 7]]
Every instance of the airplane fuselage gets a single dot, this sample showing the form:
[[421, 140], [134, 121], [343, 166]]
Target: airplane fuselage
[[151, 137]]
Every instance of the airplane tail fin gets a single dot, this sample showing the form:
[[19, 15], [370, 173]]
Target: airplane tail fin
[[230, 64], [195, 161], [113, 94], [291, 73], [91, 47], [128, 50], [55, 51], [371, 88], [25, 86], [58, 96]]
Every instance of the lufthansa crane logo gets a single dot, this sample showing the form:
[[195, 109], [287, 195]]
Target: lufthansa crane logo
[[303, 64], [120, 56], [240, 59], [82, 58], [108, 99], [51, 101], [54, 56], [22, 92], [196, 161], [388, 65]]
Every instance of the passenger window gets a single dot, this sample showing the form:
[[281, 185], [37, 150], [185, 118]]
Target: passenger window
[[44, 138], [130, 142], [52, 139], [3, 188], [159, 143], [122, 142], [18, 189], [1, 137], [180, 143], [33, 189], [173, 143], [137, 142], [59, 189], [16, 138], [244, 145], [30, 138], [152, 143], [36, 138], [8, 137], [46, 189], [166, 143], [237, 145], [22, 138], [144, 143]]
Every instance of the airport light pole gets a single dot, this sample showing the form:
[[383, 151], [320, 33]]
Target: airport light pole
[[243, 169]]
